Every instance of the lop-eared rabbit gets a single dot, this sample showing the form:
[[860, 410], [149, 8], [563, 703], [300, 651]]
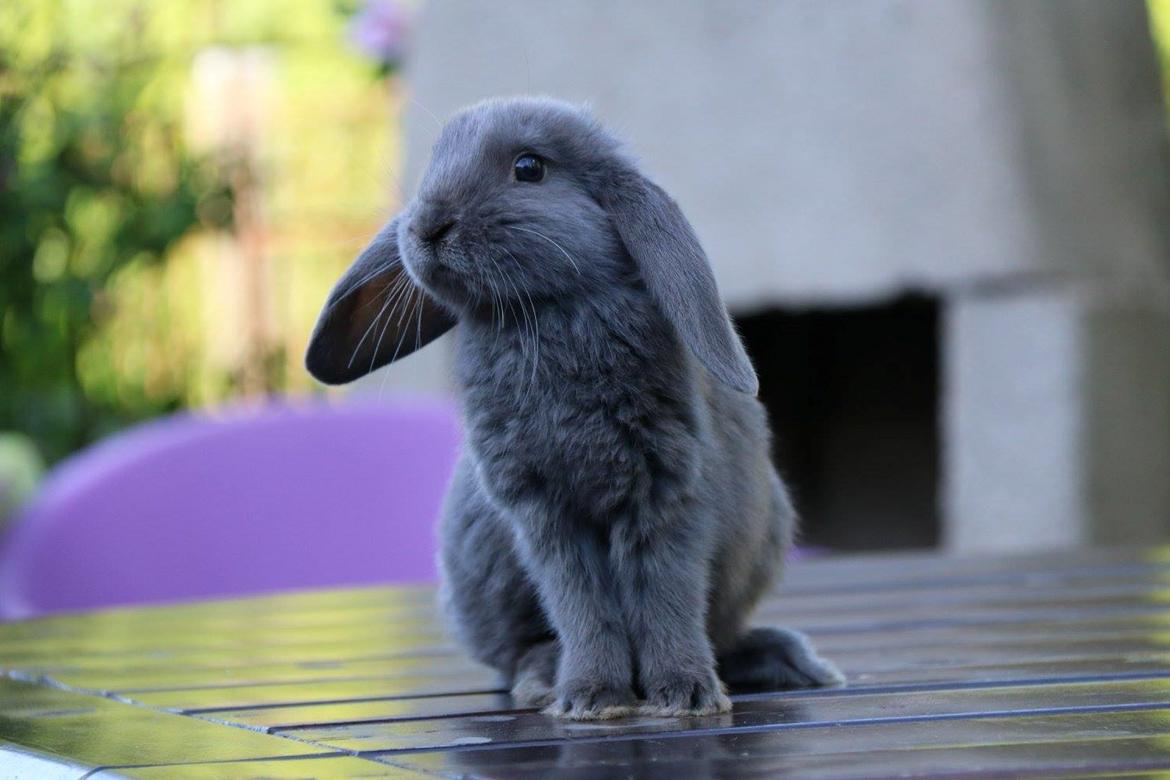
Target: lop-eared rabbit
[[615, 515]]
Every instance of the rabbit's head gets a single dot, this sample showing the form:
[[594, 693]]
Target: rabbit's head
[[509, 207], [524, 198]]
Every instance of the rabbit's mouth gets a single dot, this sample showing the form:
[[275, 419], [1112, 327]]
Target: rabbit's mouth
[[434, 273]]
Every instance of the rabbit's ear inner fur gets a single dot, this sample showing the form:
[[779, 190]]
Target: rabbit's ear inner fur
[[675, 269], [375, 315]]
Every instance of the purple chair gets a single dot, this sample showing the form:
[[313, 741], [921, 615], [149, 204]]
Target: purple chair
[[241, 502]]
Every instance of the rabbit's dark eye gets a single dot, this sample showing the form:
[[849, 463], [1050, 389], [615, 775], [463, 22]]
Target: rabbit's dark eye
[[528, 168]]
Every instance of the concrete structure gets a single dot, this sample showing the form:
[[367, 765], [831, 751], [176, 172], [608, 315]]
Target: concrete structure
[[1005, 159]]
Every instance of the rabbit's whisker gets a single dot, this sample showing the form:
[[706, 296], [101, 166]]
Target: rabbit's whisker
[[430, 113], [373, 324], [497, 319], [398, 346], [527, 332], [505, 300], [535, 320], [495, 291], [418, 324], [410, 302], [358, 285], [536, 337], [528, 329], [554, 243], [505, 279], [486, 278], [404, 284]]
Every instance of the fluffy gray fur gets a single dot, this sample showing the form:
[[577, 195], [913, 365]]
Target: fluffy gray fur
[[615, 515]]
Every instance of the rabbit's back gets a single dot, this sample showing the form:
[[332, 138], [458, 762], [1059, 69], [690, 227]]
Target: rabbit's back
[[749, 504]]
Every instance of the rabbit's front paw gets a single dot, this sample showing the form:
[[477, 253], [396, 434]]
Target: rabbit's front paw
[[590, 700], [678, 694]]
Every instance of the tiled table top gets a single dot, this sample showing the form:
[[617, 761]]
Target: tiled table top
[[1044, 665]]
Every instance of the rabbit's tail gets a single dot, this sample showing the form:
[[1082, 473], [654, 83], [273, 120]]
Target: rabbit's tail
[[770, 659]]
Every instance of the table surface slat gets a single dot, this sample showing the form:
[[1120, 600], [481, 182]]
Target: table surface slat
[[1033, 665]]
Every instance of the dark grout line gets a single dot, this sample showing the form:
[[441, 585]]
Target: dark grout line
[[366, 721]]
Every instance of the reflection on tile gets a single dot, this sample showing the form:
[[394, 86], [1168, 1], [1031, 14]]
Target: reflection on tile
[[99, 732], [150, 660], [357, 712], [329, 768], [195, 638], [478, 681], [130, 681]]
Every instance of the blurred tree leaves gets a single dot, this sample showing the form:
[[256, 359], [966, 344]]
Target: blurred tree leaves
[[93, 177], [121, 266], [1160, 28]]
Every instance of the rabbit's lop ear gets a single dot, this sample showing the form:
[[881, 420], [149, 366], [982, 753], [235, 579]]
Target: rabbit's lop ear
[[675, 270], [375, 315]]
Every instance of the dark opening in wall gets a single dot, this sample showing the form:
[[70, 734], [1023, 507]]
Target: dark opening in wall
[[853, 398]]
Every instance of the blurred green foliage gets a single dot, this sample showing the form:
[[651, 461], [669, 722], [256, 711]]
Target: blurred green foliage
[[93, 177], [1160, 27], [20, 470], [124, 265]]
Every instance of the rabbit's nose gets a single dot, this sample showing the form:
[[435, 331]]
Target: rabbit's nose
[[433, 230]]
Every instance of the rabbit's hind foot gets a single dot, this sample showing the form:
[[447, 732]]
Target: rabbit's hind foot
[[774, 659]]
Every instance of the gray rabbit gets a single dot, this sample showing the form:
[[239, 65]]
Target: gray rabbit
[[616, 515]]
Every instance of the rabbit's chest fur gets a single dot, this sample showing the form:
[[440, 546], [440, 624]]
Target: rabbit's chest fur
[[593, 419]]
